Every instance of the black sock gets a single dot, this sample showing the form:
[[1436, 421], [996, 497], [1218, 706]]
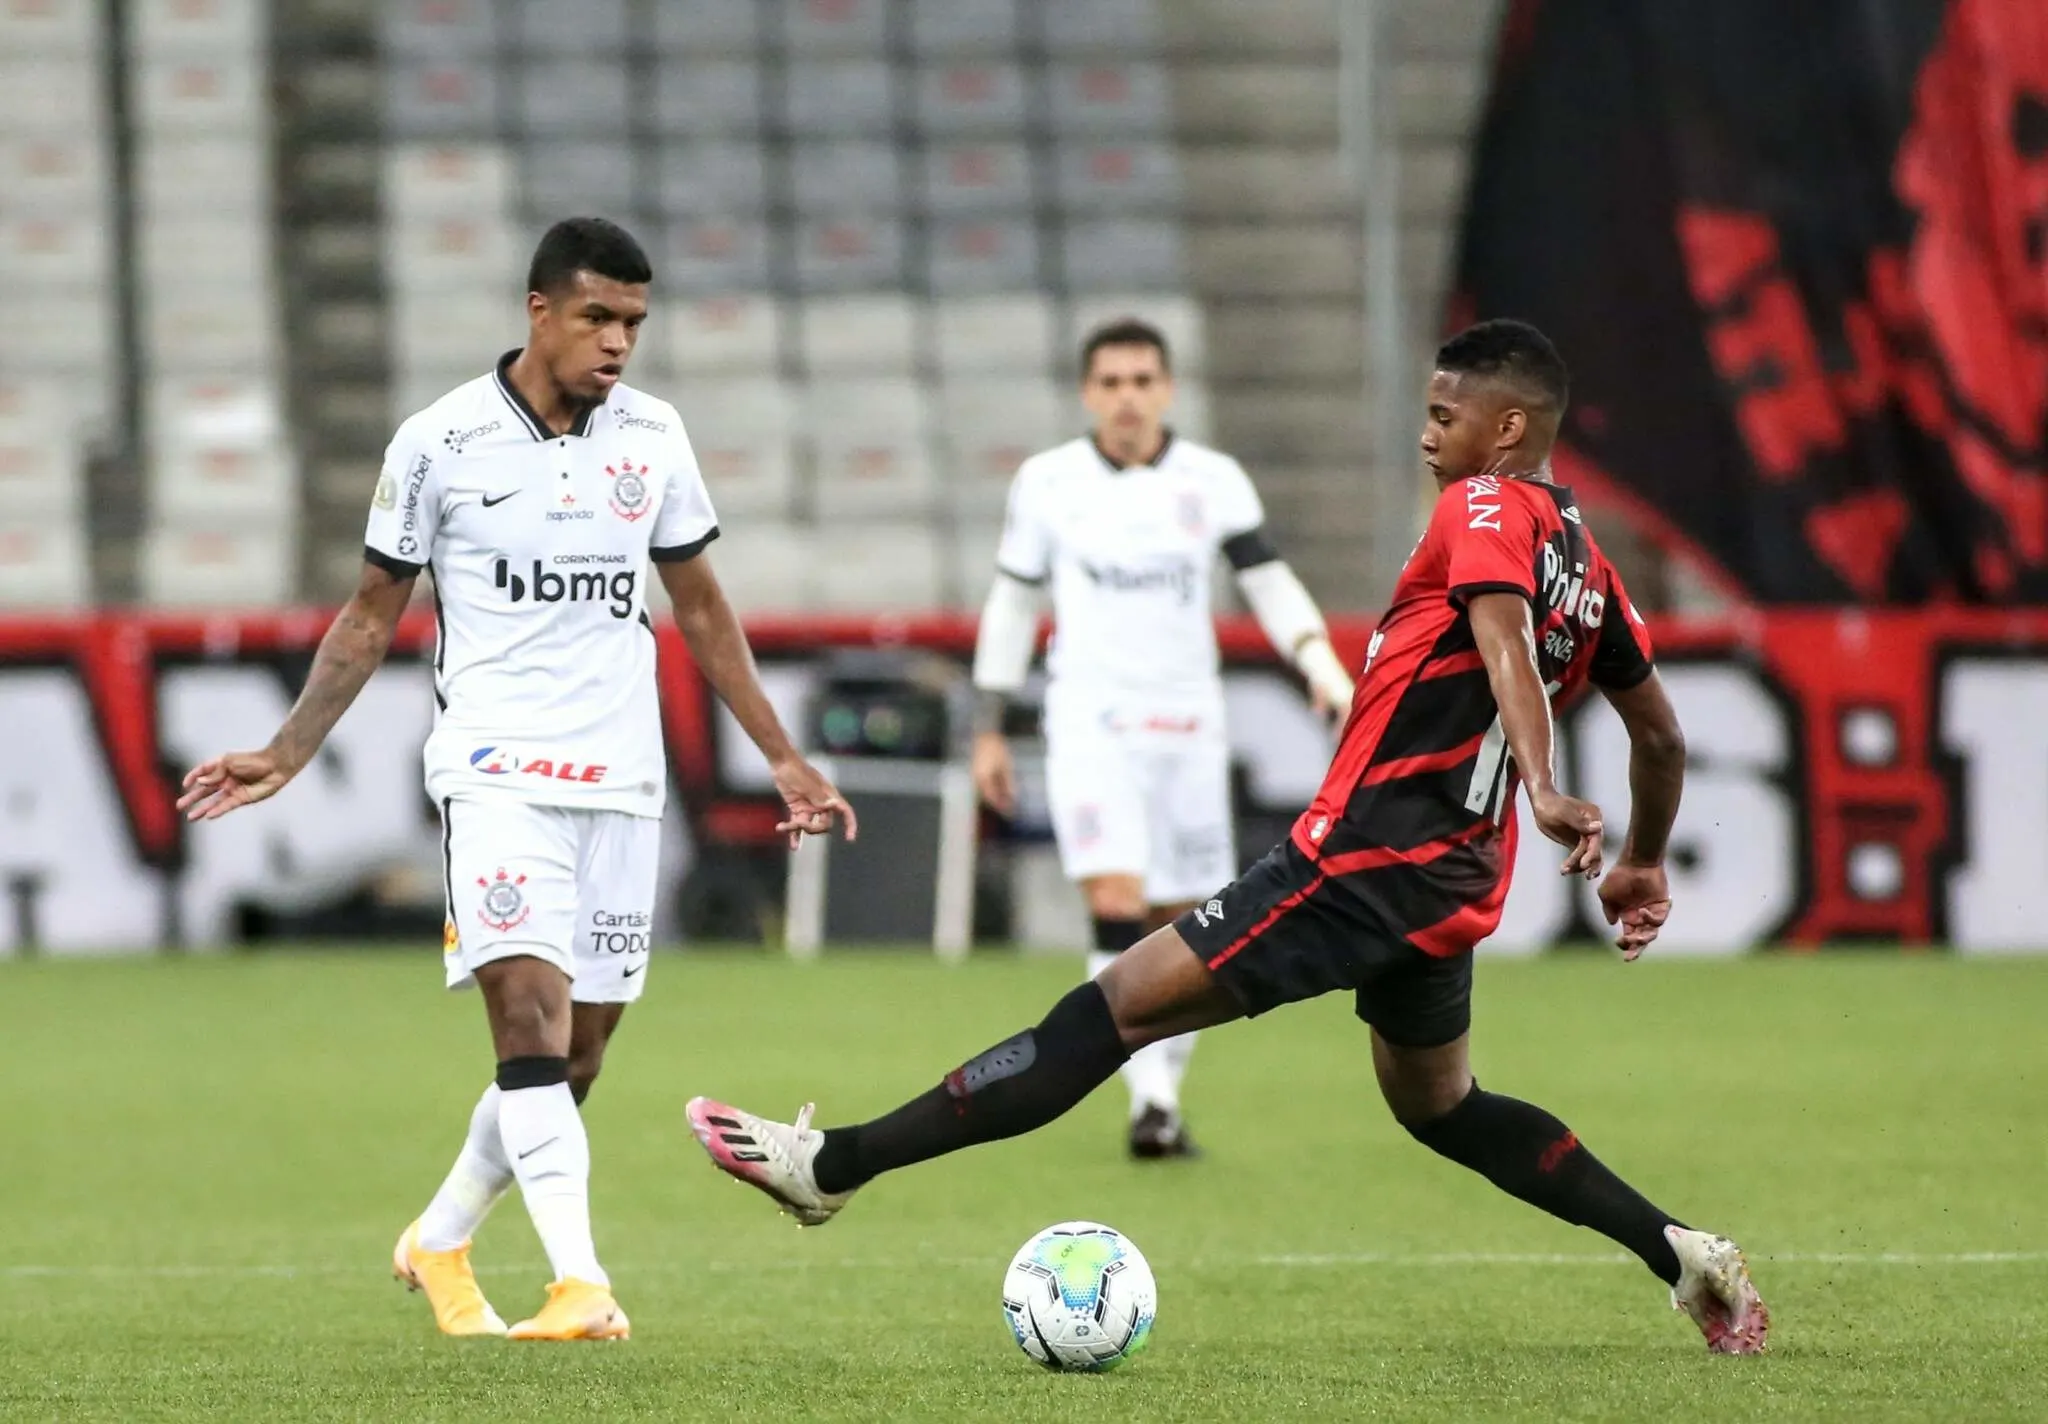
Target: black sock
[[1116, 936], [1020, 1084], [1527, 1153]]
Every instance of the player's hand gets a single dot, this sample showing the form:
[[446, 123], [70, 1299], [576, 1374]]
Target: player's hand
[[1637, 898], [1574, 824], [995, 773], [230, 781], [813, 802], [1330, 701]]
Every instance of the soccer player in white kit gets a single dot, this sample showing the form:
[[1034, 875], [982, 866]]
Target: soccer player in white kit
[[1124, 525], [538, 494]]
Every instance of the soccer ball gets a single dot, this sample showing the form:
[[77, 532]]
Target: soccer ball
[[1078, 1296]]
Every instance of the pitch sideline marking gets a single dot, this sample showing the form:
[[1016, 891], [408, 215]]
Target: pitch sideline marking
[[1425, 1260]]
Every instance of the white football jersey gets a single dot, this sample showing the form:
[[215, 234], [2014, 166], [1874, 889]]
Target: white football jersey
[[539, 545], [1128, 552]]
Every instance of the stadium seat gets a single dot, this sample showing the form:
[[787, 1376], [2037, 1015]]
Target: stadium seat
[[53, 173], [201, 27], [226, 329], [53, 250], [1105, 179], [587, 176], [598, 27], [872, 334], [990, 255], [843, 177], [997, 335], [202, 249], [66, 333], [975, 540], [218, 564], [44, 564], [1178, 318], [976, 180], [721, 335], [767, 566], [713, 256], [968, 99], [191, 174], [1122, 255], [214, 412], [963, 29], [868, 439], [436, 28], [435, 253], [815, 27], [710, 178], [41, 477], [840, 98], [444, 180], [1094, 28], [694, 97], [1190, 413], [993, 425], [50, 96], [878, 567], [1110, 100], [849, 252], [227, 482], [456, 327], [570, 97], [49, 30], [702, 27], [741, 433], [200, 94], [443, 98]]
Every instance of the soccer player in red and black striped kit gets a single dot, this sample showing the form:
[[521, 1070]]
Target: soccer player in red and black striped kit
[[1398, 869]]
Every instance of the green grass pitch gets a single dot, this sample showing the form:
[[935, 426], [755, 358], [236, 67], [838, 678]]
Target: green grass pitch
[[203, 1165]]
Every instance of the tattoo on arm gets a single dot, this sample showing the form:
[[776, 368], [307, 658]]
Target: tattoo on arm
[[353, 648]]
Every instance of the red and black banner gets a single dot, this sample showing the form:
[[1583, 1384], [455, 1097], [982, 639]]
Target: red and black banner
[[1796, 255]]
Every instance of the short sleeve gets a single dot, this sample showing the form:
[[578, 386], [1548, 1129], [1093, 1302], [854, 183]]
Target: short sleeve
[[1624, 655], [685, 523], [1237, 509], [405, 512], [1490, 538], [1025, 550]]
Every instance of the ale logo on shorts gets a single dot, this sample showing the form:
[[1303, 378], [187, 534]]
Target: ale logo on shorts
[[504, 905], [629, 489]]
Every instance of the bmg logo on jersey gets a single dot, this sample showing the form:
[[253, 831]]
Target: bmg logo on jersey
[[545, 585]]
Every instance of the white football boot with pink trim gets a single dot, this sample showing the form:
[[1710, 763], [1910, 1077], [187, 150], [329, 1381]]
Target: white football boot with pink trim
[[774, 1157], [1714, 1288]]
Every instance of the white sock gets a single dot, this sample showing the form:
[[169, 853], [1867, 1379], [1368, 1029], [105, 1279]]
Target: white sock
[[1179, 1051], [480, 1176], [543, 1135], [1148, 1073]]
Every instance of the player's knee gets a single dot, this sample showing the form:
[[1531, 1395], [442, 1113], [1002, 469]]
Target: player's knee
[[1420, 1100]]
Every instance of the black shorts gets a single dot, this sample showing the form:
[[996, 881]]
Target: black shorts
[[1283, 932]]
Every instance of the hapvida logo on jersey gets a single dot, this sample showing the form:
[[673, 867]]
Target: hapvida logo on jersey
[[1178, 577], [544, 585], [497, 761], [629, 490]]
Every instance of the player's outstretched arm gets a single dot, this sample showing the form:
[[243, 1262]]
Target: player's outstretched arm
[[353, 648], [1507, 646], [1635, 895], [1290, 619], [719, 646], [1003, 645]]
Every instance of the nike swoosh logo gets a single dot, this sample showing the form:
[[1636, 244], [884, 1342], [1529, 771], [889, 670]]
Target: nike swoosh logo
[[489, 501], [631, 972], [531, 1150]]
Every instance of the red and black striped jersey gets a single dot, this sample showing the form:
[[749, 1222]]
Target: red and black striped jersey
[[1414, 814]]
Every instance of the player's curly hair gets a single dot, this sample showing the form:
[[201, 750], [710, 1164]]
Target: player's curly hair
[[586, 245], [1515, 352]]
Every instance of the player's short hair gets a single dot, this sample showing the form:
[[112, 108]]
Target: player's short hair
[[586, 245], [1515, 353], [1124, 331]]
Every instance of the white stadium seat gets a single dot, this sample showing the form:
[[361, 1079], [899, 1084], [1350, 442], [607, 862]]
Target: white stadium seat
[[225, 482], [203, 249], [956, 29], [219, 28], [214, 412], [714, 335], [53, 250], [879, 568], [992, 426], [46, 28], [440, 253], [426, 180], [44, 565], [997, 254], [871, 334], [41, 478], [695, 97], [214, 329], [712, 256], [1124, 100], [437, 27], [999, 334], [850, 252], [834, 26], [742, 433], [965, 99], [57, 95], [972, 180], [840, 98], [219, 564], [869, 443], [191, 174], [53, 173], [200, 94]]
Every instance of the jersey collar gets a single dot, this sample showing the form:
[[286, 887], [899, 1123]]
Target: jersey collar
[[530, 417], [1167, 437]]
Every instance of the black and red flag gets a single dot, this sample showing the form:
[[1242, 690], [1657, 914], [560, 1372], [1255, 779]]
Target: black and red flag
[[1797, 257]]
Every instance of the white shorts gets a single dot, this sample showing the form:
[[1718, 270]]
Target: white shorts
[[1144, 797], [572, 887]]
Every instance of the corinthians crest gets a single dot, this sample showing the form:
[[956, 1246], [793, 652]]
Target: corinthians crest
[[504, 906], [629, 489]]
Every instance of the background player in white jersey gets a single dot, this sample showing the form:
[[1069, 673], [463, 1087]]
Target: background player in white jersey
[[1125, 526], [538, 494]]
